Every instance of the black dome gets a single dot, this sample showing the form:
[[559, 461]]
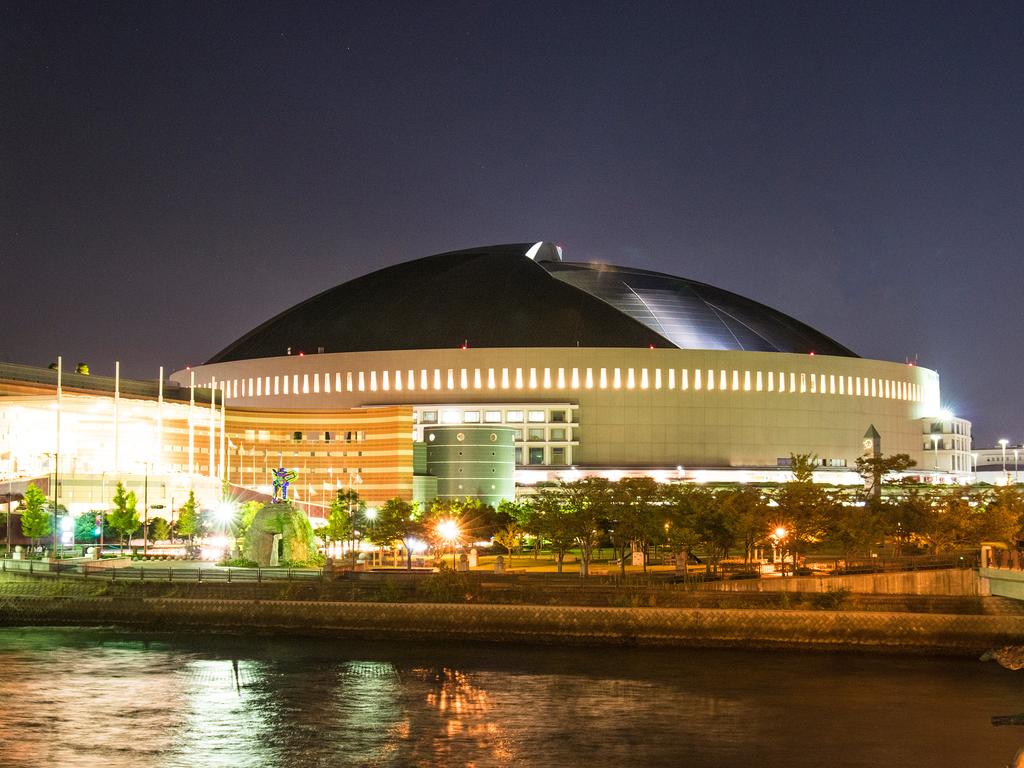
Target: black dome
[[500, 296]]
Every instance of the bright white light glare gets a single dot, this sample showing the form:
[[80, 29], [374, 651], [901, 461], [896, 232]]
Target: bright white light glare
[[780, 532], [417, 546], [371, 513], [224, 511], [448, 530], [945, 414]]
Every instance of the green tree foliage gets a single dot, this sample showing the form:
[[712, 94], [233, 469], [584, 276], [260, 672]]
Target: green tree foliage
[[509, 537], [159, 529], [636, 518], [947, 520], [748, 517], [685, 508], [124, 517], [476, 521], [876, 471], [1002, 516], [804, 506], [35, 518], [340, 523], [247, 513], [398, 520], [552, 525], [85, 526], [587, 504], [189, 524], [855, 528]]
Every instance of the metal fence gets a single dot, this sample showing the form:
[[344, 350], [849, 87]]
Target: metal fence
[[92, 570]]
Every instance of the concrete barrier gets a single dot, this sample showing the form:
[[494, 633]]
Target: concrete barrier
[[949, 581], [790, 629]]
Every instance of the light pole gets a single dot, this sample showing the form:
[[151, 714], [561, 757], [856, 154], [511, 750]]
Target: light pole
[[778, 536], [935, 447], [145, 514], [1016, 465], [1003, 442]]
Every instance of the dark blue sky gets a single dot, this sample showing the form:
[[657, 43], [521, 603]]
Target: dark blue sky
[[173, 174]]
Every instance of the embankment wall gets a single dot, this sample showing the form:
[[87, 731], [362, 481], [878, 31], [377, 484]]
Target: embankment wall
[[792, 629]]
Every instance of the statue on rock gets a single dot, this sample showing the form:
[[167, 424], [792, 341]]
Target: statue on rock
[[279, 534]]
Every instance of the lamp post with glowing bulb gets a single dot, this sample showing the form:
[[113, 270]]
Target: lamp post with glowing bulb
[[448, 531], [778, 536], [1003, 442]]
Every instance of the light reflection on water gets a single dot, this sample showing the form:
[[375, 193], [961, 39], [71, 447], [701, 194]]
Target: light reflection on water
[[99, 698]]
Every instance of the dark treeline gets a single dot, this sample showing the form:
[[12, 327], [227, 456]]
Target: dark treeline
[[638, 513]]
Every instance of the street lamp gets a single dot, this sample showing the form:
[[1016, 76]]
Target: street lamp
[[1003, 442], [448, 530], [778, 536], [935, 447]]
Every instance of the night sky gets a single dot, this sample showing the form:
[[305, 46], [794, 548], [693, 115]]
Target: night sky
[[173, 174]]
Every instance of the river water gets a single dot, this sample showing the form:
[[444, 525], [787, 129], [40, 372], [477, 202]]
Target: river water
[[106, 699]]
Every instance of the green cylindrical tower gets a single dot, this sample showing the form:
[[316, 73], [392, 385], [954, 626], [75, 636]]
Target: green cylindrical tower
[[472, 462]]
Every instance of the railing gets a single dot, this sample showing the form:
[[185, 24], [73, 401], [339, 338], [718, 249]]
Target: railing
[[92, 570], [1006, 559]]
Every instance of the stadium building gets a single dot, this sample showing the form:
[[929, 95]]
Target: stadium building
[[519, 367]]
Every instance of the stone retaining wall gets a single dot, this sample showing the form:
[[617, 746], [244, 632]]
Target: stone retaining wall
[[832, 630], [949, 581]]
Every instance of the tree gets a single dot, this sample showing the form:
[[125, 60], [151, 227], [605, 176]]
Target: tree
[[340, 525], [855, 528], [246, 514], [552, 524], [1001, 517], [947, 520], [748, 517], [349, 501], [85, 525], [124, 518], [685, 506], [716, 529], [476, 521], [189, 522], [159, 529], [804, 506], [636, 521], [510, 537], [587, 503], [904, 517], [398, 520], [35, 518], [876, 471]]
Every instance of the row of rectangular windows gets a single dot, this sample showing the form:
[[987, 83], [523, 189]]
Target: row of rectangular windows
[[572, 378], [452, 416]]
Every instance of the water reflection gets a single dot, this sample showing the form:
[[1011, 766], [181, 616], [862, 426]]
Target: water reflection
[[95, 698]]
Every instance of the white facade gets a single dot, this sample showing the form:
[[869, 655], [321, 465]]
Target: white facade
[[628, 408]]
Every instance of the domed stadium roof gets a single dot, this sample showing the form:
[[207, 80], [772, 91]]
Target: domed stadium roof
[[524, 295]]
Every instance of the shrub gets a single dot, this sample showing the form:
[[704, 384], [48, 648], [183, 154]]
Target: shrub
[[830, 600], [390, 592], [445, 586]]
